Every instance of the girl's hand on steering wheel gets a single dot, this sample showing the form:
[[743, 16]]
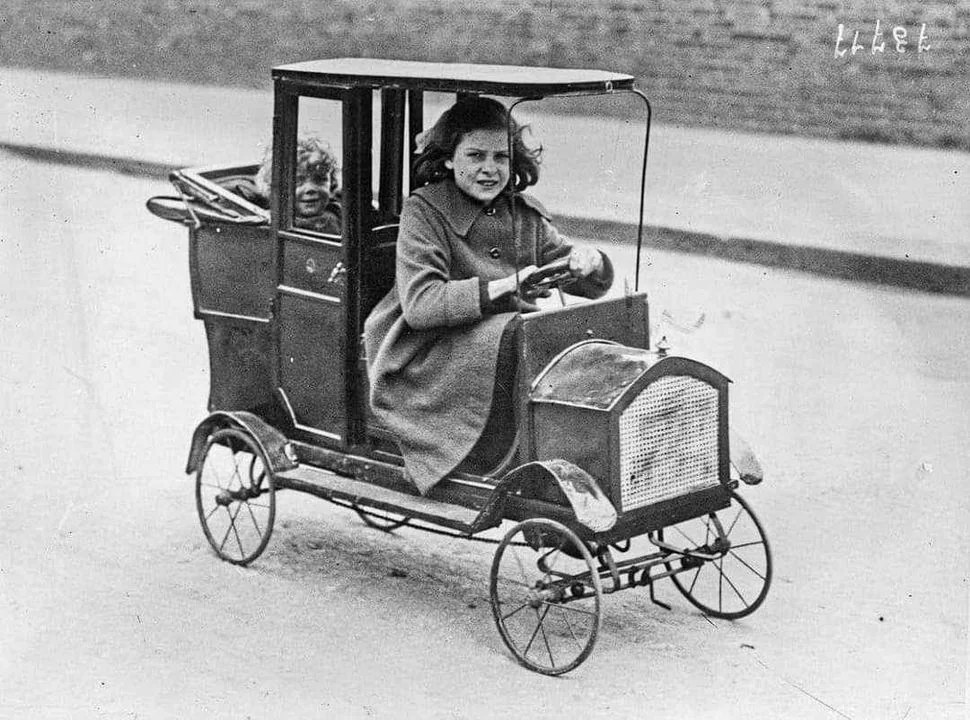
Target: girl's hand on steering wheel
[[508, 285], [584, 261]]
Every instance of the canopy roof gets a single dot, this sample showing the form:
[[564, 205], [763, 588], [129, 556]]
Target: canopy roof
[[509, 80]]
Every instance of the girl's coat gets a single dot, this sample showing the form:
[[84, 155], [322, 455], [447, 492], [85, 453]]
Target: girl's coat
[[432, 348]]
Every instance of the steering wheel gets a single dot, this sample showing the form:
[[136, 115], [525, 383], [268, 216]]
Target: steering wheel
[[549, 276]]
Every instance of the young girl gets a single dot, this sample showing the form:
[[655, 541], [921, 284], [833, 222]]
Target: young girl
[[440, 345]]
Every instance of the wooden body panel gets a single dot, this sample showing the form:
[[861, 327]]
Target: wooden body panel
[[232, 269], [314, 265]]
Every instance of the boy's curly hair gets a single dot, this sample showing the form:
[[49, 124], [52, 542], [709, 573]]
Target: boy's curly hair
[[312, 156], [465, 116]]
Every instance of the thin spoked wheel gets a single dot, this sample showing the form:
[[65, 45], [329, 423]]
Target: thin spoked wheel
[[379, 520], [235, 496], [736, 581], [546, 594]]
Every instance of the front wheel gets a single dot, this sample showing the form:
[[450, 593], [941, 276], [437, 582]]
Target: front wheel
[[545, 592], [235, 496], [736, 581]]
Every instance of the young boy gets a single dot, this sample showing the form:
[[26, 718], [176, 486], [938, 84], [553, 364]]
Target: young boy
[[316, 201]]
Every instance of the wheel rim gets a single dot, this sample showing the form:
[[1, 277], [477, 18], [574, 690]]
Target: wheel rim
[[382, 521], [235, 497], [737, 582], [546, 603]]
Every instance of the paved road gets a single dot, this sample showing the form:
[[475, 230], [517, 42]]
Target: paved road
[[111, 606]]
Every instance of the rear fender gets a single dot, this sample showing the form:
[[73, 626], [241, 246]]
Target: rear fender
[[744, 461], [593, 509], [270, 440]]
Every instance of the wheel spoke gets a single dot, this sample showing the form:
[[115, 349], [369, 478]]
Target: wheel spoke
[[235, 472], [235, 531], [525, 574], [545, 566], [745, 563], [518, 609], [569, 608], [696, 575], [747, 544], [572, 632], [735, 521], [252, 516], [534, 633], [687, 537], [720, 584], [232, 521], [545, 638], [737, 592]]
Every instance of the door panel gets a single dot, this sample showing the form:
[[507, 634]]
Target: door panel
[[315, 266], [311, 308], [312, 369]]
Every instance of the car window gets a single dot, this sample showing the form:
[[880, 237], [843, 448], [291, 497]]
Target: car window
[[315, 187]]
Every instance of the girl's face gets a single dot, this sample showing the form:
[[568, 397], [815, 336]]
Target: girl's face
[[481, 164]]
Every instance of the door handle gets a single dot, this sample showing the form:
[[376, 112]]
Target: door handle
[[338, 272]]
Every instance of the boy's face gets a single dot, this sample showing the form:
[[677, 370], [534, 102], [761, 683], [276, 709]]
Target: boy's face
[[481, 164], [312, 191]]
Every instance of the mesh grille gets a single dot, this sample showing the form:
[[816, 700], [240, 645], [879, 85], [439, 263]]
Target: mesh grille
[[668, 441]]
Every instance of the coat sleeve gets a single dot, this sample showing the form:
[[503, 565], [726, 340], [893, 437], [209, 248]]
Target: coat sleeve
[[429, 296], [552, 246]]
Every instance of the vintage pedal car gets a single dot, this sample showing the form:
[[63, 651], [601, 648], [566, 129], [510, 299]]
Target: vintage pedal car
[[615, 441]]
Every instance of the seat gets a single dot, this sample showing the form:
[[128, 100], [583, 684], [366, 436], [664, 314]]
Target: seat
[[377, 279], [377, 273]]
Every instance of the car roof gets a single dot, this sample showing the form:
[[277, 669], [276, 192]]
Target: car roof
[[509, 80]]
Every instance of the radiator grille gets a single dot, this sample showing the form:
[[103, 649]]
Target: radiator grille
[[668, 441]]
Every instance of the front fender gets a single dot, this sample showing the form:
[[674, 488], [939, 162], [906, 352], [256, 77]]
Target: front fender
[[744, 461], [270, 440], [593, 509]]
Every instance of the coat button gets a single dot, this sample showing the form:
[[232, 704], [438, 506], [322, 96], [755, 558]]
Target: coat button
[[489, 211], [495, 253]]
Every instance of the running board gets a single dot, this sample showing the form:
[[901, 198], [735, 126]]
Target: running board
[[328, 485]]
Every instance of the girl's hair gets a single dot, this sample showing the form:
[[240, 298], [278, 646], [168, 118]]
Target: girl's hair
[[312, 156], [465, 116]]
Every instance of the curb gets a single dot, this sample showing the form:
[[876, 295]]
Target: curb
[[857, 267], [870, 269]]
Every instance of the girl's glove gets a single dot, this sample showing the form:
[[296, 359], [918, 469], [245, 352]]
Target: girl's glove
[[585, 261]]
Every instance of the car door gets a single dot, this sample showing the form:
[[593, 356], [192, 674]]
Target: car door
[[314, 303]]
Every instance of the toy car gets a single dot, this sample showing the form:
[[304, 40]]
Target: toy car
[[615, 442]]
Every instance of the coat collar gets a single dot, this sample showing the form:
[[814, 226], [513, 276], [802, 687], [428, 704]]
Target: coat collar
[[461, 211]]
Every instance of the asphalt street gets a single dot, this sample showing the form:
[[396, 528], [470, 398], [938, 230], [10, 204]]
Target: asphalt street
[[111, 605]]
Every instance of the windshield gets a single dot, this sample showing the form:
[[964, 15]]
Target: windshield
[[592, 166]]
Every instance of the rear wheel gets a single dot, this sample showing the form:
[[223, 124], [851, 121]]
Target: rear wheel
[[546, 595], [736, 582], [235, 496]]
